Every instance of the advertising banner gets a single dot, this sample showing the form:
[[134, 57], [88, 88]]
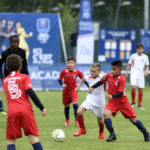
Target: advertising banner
[[116, 44], [38, 34], [85, 39], [145, 39]]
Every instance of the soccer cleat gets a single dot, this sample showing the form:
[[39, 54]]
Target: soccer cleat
[[77, 123], [140, 107], [147, 137], [2, 112], [111, 138], [132, 105], [66, 123], [79, 132], [101, 135]]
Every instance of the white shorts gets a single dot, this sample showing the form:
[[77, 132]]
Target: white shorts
[[98, 111], [139, 82]]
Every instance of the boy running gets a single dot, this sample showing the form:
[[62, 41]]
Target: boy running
[[94, 101], [70, 75], [118, 101]]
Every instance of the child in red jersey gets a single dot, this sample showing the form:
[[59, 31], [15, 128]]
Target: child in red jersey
[[18, 88], [70, 75], [118, 101]]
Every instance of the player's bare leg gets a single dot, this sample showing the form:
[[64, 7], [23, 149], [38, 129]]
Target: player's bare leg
[[108, 124], [141, 127], [133, 95], [101, 128], [11, 144], [82, 129], [34, 140], [140, 96]]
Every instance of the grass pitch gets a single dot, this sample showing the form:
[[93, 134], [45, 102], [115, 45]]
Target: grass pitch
[[128, 136]]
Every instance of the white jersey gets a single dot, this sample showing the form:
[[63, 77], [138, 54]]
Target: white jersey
[[138, 64], [97, 97]]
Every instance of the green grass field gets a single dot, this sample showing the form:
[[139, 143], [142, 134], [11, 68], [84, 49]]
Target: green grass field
[[128, 136]]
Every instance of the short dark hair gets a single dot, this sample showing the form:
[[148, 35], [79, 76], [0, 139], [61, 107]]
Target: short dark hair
[[71, 58], [13, 62], [117, 63], [140, 45], [13, 36]]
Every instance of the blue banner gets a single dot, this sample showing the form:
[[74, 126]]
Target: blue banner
[[145, 39], [116, 44], [38, 34], [85, 39]]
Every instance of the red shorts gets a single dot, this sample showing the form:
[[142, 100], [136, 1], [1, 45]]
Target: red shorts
[[70, 97], [124, 107], [20, 120]]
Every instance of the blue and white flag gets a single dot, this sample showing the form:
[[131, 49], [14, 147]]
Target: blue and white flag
[[85, 39]]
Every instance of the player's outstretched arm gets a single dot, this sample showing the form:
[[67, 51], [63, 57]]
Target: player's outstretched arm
[[36, 101], [78, 88], [127, 70]]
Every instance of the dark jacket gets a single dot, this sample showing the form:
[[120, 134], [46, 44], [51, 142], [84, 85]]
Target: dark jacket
[[8, 52]]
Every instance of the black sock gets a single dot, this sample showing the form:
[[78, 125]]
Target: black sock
[[140, 126], [75, 106], [37, 146], [108, 124], [1, 105], [66, 111]]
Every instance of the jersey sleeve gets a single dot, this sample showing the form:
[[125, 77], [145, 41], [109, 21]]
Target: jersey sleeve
[[61, 75], [28, 84], [147, 61], [122, 83]]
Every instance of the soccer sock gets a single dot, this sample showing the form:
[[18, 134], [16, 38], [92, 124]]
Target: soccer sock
[[75, 106], [81, 122], [11, 147], [133, 93], [37, 146], [108, 124], [66, 111], [1, 105], [140, 96], [101, 127], [140, 126]]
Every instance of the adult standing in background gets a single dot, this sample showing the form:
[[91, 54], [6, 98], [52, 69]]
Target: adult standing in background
[[13, 49], [139, 64]]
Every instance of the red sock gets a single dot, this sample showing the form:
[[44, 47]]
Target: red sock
[[81, 122], [133, 96], [101, 127], [140, 96]]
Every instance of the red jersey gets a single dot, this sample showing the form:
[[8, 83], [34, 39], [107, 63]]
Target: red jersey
[[70, 78], [15, 86], [115, 85]]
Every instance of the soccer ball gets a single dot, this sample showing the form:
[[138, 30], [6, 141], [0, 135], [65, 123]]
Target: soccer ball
[[58, 135]]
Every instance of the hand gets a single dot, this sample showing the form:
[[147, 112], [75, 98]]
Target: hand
[[77, 89], [108, 97], [90, 90], [104, 76], [145, 73], [64, 86], [44, 112]]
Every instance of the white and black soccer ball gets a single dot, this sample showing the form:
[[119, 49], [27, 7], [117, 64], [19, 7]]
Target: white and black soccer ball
[[58, 135]]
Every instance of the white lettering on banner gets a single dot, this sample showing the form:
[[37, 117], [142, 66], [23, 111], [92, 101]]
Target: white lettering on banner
[[14, 92], [86, 25], [40, 58], [44, 75]]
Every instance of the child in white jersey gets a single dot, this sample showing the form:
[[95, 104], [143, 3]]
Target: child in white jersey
[[94, 101], [139, 63]]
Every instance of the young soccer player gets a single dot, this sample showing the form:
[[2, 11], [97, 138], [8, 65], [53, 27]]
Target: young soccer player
[[139, 63], [70, 75], [18, 88], [94, 101], [118, 101]]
